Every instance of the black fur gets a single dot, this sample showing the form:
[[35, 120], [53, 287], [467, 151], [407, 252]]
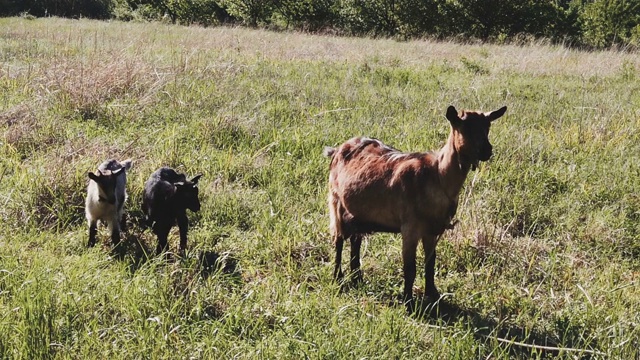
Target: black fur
[[167, 196]]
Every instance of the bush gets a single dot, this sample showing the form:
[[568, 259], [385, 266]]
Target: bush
[[592, 23], [186, 12], [95, 9], [250, 12], [10, 7], [375, 17], [420, 17], [492, 19], [310, 15], [610, 22]]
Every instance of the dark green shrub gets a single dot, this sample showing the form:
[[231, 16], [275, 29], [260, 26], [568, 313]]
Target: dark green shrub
[[186, 12], [376, 17], [421, 17], [10, 7], [610, 22], [310, 15], [591, 23], [95, 9], [250, 12], [491, 19]]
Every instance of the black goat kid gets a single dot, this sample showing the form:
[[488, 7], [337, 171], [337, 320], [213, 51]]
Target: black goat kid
[[167, 196]]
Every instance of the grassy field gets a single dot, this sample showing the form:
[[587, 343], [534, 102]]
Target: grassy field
[[545, 261]]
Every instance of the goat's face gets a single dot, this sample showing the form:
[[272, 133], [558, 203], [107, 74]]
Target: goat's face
[[107, 181], [187, 192], [471, 134]]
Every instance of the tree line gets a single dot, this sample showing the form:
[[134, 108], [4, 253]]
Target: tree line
[[581, 23]]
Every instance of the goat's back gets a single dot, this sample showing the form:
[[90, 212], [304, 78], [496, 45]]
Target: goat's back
[[168, 174], [159, 190], [381, 187]]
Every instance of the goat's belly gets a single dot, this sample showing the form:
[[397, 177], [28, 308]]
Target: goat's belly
[[101, 211], [369, 227], [371, 220]]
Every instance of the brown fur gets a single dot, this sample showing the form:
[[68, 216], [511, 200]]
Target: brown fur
[[376, 188]]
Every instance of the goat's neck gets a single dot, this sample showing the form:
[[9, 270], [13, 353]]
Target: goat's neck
[[452, 169]]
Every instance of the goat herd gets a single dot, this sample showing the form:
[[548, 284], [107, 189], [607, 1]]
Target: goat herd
[[372, 188], [167, 196]]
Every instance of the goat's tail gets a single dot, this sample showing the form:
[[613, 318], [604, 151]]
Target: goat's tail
[[335, 217], [329, 151]]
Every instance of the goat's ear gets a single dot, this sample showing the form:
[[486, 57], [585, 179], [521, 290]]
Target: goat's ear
[[93, 176], [127, 164], [452, 116], [493, 115], [195, 179]]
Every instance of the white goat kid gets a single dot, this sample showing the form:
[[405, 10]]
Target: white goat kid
[[106, 195]]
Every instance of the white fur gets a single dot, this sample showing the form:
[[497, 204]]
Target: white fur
[[110, 214]]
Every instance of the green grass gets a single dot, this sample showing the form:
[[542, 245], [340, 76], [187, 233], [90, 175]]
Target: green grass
[[546, 252]]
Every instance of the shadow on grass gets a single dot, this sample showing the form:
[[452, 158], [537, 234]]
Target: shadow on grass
[[131, 244], [520, 342], [138, 248], [211, 262], [134, 249]]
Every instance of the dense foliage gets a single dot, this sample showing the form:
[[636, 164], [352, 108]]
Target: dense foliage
[[588, 23]]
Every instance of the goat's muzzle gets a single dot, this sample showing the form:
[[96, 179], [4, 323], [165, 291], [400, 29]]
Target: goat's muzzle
[[483, 155]]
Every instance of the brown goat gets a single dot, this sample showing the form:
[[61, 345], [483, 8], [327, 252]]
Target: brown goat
[[376, 188]]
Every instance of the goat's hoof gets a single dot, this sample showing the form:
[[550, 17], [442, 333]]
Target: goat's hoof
[[356, 277], [433, 295], [410, 304]]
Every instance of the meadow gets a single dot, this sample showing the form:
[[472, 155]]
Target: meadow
[[544, 262]]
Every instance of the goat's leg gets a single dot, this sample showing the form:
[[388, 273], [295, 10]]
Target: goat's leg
[[162, 231], [183, 226], [335, 226], [114, 226], [337, 271], [410, 240], [93, 231], [429, 246], [356, 242], [115, 237], [122, 219], [123, 222]]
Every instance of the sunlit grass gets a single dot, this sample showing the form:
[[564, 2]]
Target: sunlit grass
[[546, 251]]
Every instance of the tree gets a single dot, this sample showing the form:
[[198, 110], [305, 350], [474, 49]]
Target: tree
[[95, 9], [307, 14], [610, 22], [251, 12]]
